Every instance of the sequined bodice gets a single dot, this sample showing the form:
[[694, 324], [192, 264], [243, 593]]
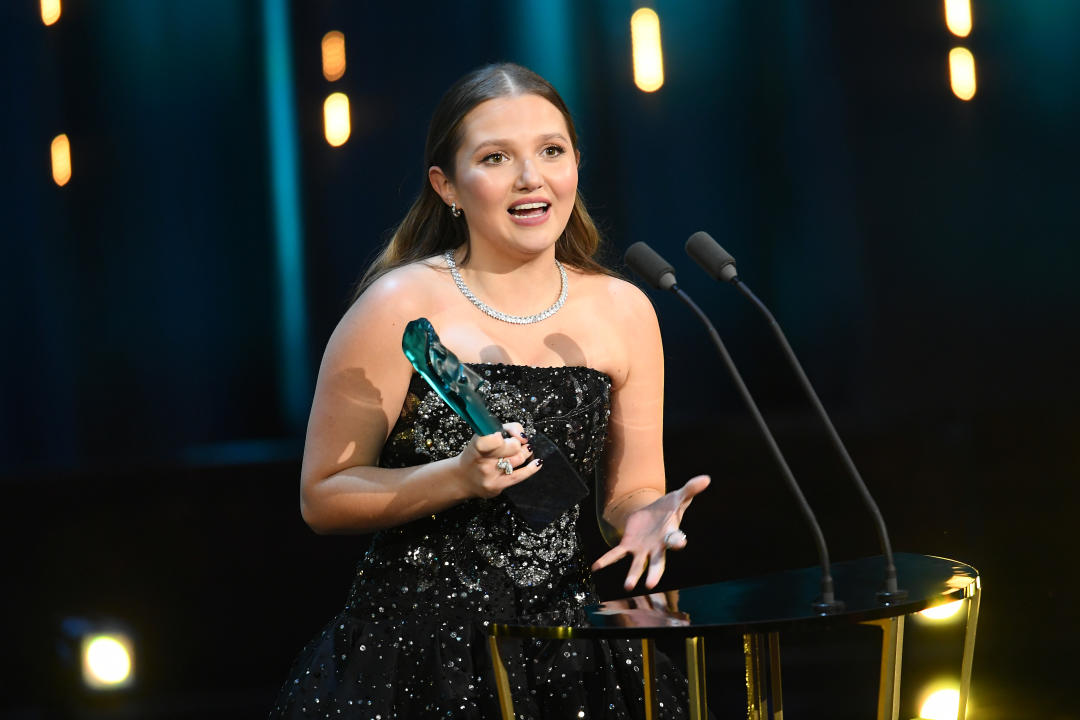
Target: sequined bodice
[[479, 559]]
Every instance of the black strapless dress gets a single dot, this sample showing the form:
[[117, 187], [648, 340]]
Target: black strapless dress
[[412, 639]]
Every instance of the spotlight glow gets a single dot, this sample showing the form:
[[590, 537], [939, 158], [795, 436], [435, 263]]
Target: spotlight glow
[[333, 55], [942, 704], [50, 11], [962, 73], [107, 661], [958, 17], [336, 122], [942, 612], [61, 159], [648, 55]]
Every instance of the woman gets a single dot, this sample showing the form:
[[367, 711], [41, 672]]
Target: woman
[[499, 225]]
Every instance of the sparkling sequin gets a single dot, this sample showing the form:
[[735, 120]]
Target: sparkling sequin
[[412, 640]]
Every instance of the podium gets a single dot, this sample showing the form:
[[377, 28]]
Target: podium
[[758, 610]]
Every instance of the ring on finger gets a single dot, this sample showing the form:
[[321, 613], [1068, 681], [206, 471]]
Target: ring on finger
[[674, 537], [505, 466]]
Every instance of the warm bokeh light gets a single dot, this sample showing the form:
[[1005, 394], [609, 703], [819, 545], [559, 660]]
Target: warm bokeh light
[[336, 122], [941, 704], [50, 11], [107, 661], [958, 17], [648, 56], [962, 73], [61, 159], [333, 55], [942, 612]]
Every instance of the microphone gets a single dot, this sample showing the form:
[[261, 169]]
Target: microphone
[[652, 268], [716, 261], [656, 271]]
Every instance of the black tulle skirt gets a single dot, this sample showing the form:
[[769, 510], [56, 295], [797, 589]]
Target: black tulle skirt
[[430, 667]]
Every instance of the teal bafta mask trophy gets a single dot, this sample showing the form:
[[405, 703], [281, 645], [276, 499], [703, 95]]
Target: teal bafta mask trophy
[[546, 495]]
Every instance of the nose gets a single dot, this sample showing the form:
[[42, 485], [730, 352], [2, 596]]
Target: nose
[[529, 178]]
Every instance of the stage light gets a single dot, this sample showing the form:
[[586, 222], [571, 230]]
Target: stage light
[[648, 56], [942, 612], [942, 704], [958, 17], [50, 11], [336, 121], [333, 55], [99, 655], [61, 159], [962, 73], [107, 661]]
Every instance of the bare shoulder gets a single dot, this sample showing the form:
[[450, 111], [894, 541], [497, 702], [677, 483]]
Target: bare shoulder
[[616, 324], [378, 317], [623, 301], [402, 291]]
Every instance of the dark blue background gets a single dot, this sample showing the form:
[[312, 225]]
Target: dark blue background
[[918, 250]]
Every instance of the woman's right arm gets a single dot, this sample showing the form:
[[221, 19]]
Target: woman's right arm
[[363, 380]]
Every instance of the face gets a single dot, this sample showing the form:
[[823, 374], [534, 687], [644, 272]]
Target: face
[[515, 174]]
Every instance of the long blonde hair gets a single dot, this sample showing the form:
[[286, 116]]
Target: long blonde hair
[[428, 228]]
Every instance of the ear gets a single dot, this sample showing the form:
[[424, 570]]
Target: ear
[[441, 184], [577, 156]]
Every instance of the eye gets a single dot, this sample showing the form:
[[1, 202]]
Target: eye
[[495, 158], [553, 151]]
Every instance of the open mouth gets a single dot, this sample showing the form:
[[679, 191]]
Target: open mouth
[[529, 210]]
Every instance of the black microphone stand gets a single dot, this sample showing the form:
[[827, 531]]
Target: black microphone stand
[[891, 593], [644, 261], [827, 603]]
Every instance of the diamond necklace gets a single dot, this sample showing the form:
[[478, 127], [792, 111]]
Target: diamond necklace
[[515, 319]]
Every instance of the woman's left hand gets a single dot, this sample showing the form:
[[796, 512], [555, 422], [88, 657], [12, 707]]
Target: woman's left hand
[[650, 532]]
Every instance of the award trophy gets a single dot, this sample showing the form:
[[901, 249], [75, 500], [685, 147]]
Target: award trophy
[[546, 495]]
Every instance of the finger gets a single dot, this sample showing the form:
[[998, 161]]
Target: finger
[[512, 449], [516, 430], [636, 568], [522, 473], [657, 562], [694, 486], [517, 453], [690, 490], [488, 444], [611, 557], [497, 446]]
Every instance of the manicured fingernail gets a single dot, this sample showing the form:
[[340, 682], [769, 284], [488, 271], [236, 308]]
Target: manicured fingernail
[[524, 437], [529, 448], [539, 462]]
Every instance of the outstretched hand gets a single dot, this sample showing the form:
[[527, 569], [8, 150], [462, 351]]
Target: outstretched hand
[[650, 532]]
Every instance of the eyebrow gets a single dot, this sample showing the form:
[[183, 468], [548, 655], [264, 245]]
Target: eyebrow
[[505, 141]]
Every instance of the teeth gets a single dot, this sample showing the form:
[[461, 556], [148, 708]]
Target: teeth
[[529, 206]]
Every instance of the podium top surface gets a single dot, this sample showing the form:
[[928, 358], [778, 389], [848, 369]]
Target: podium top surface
[[777, 601]]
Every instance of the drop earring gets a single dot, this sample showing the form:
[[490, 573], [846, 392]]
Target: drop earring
[[454, 210]]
